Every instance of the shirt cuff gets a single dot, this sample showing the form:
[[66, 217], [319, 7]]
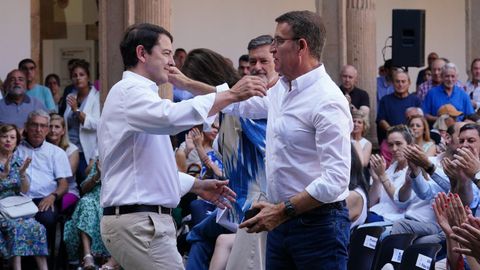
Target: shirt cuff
[[222, 87], [186, 183]]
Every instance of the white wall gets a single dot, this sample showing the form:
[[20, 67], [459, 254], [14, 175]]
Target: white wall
[[15, 34], [444, 30], [199, 24]]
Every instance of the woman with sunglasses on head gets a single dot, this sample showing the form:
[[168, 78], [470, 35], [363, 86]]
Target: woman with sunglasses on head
[[20, 236]]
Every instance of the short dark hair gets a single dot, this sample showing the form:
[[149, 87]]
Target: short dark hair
[[209, 67], [26, 61], [145, 34], [473, 63], [259, 41], [179, 50], [469, 126], [54, 76], [80, 63], [309, 26], [243, 58]]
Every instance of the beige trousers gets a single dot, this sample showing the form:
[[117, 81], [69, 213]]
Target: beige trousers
[[142, 241], [248, 251]]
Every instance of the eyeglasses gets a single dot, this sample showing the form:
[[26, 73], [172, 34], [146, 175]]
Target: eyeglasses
[[279, 41]]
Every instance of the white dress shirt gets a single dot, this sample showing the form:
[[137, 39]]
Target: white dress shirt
[[138, 163], [308, 137], [49, 163]]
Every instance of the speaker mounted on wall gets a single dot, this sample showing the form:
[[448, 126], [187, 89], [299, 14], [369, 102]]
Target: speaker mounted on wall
[[408, 37]]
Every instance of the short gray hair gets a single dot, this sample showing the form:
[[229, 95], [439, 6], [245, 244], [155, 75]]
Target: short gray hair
[[38, 112], [260, 41], [448, 66]]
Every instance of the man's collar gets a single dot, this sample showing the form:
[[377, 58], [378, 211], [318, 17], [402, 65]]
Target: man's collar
[[135, 76], [27, 144], [9, 100], [305, 80]]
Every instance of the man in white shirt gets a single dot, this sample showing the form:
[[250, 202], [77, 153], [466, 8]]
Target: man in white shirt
[[140, 182], [307, 152], [48, 171]]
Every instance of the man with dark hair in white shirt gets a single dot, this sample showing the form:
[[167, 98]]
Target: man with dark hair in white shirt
[[140, 181], [307, 152]]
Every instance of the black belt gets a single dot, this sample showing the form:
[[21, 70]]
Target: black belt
[[135, 208], [335, 205]]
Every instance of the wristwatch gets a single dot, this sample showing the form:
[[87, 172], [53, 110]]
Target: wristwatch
[[476, 178], [290, 209]]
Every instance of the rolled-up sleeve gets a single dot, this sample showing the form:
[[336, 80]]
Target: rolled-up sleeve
[[186, 183], [333, 125]]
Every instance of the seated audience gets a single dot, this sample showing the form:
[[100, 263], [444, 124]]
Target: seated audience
[[421, 134], [447, 92], [34, 89], [20, 236], [58, 136], [359, 142], [52, 81], [82, 115], [48, 171], [16, 105], [83, 229]]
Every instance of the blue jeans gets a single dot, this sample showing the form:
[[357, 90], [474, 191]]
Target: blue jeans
[[202, 237], [317, 239]]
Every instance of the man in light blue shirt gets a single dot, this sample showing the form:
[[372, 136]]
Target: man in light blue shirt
[[447, 93], [38, 91]]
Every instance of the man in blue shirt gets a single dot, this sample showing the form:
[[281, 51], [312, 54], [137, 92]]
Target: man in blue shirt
[[445, 93], [391, 110], [16, 105], [34, 89]]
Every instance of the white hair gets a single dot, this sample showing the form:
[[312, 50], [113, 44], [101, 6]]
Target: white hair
[[449, 66]]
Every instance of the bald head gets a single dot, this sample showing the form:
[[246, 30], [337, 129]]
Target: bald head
[[348, 75]]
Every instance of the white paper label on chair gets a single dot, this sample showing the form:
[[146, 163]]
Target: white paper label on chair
[[370, 242], [397, 255], [423, 262]]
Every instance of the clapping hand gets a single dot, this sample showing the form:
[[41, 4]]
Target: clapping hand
[[378, 166], [72, 102], [197, 136]]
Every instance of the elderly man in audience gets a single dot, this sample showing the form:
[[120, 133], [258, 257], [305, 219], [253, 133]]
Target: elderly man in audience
[[48, 171], [16, 105], [34, 89], [447, 92], [358, 98], [436, 80]]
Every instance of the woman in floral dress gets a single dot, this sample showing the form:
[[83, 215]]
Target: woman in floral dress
[[83, 230], [20, 236]]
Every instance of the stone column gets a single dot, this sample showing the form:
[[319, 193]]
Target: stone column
[[361, 50], [335, 51], [472, 31], [115, 16]]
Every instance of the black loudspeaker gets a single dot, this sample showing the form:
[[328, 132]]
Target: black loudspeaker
[[408, 37]]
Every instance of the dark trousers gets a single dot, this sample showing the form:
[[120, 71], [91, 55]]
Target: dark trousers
[[317, 239]]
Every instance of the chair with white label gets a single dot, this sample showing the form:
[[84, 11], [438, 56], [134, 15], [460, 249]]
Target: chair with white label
[[390, 250], [363, 243], [420, 256]]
